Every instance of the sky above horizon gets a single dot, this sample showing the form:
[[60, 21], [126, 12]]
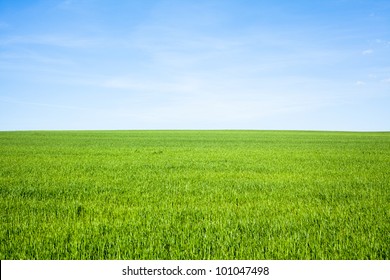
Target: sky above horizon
[[195, 64]]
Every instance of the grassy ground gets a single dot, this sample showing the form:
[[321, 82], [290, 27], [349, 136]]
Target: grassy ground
[[194, 195]]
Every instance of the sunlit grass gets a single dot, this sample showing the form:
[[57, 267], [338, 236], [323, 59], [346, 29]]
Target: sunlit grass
[[194, 195]]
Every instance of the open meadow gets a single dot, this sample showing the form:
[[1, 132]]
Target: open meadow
[[194, 195]]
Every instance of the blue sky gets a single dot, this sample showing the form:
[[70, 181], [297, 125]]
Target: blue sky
[[195, 64]]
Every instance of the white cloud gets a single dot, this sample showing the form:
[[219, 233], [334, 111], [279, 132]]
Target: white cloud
[[29, 56], [51, 40], [387, 81], [382, 42], [360, 83], [156, 85], [367, 52], [38, 104]]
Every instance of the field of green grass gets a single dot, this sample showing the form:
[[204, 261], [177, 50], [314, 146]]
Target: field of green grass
[[194, 195]]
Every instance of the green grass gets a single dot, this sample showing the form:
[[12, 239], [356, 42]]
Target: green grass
[[194, 195]]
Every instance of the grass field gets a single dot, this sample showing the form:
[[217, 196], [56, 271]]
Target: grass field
[[194, 195]]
